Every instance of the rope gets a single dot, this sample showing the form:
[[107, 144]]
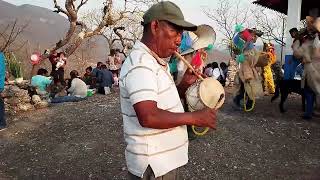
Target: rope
[[199, 133], [245, 103]]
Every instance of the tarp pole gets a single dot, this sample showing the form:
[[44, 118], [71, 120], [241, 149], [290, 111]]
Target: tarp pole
[[293, 20]]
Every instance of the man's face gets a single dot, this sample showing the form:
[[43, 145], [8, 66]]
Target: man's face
[[168, 37]]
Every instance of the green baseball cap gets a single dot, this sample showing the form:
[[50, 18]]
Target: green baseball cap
[[166, 10]]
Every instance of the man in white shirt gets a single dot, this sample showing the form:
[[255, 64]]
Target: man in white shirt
[[154, 119]]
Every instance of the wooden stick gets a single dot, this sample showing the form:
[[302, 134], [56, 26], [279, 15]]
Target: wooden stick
[[189, 66]]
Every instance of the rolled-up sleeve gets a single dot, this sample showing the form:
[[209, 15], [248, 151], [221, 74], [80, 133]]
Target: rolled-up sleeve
[[141, 84]]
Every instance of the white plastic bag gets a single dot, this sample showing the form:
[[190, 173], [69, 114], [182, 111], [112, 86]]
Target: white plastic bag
[[107, 90]]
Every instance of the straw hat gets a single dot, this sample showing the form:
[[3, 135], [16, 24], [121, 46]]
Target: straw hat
[[201, 38]]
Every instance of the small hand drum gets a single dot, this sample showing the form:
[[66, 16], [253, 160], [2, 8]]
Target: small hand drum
[[206, 93]]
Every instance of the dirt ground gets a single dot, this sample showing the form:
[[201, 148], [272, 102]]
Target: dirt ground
[[84, 140]]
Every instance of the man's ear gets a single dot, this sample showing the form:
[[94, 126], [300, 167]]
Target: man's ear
[[154, 27]]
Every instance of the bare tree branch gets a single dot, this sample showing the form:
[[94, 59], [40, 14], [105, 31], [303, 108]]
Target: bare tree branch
[[108, 16], [270, 25], [59, 9], [12, 36], [83, 2]]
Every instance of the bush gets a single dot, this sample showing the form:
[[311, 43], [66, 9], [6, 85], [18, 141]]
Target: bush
[[13, 65]]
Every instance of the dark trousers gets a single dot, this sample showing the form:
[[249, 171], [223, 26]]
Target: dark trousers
[[149, 175], [240, 96], [63, 99], [59, 75], [310, 98], [2, 114]]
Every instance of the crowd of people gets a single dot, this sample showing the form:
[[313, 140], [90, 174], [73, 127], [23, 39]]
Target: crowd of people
[[217, 71], [58, 89]]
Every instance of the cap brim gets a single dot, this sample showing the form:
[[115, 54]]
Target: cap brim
[[184, 25]]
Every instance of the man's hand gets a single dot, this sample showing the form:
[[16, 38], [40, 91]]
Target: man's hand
[[206, 118]]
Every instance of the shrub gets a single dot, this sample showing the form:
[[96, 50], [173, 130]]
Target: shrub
[[13, 65]]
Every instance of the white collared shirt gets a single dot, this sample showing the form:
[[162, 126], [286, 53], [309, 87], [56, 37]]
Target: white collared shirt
[[143, 79]]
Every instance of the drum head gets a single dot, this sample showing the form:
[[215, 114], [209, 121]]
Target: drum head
[[212, 93]]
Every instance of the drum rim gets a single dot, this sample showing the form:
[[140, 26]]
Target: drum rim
[[198, 95]]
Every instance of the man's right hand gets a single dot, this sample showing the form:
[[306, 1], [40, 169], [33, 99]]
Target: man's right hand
[[206, 118]]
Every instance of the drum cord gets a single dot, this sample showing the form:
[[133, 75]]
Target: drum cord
[[206, 129], [199, 133]]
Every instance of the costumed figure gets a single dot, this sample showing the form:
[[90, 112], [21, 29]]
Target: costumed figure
[[268, 82], [308, 49], [249, 83], [206, 92]]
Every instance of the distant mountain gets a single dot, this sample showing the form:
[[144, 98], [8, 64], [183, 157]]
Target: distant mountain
[[45, 28]]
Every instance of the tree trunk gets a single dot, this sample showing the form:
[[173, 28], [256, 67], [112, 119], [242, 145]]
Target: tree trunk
[[232, 71]]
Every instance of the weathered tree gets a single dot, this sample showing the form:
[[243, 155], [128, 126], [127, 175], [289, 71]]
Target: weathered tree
[[271, 23], [78, 30], [123, 33], [226, 16]]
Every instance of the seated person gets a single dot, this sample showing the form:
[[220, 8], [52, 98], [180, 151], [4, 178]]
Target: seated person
[[224, 73], [94, 74], [41, 81], [208, 70], [56, 89], [78, 87], [105, 79], [87, 78], [77, 90]]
